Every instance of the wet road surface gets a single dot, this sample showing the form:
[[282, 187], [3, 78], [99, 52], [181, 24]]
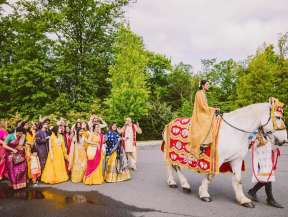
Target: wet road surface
[[146, 195], [52, 202]]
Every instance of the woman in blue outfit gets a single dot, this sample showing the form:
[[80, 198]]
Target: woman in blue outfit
[[116, 169]]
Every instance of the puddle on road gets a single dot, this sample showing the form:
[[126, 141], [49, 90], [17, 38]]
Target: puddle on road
[[60, 198], [63, 203]]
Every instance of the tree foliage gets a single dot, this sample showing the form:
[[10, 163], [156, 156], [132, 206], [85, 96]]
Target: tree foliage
[[257, 82], [72, 58], [129, 94], [55, 55]]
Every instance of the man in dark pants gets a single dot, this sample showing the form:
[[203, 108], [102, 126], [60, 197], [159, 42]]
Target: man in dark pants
[[268, 189], [263, 153]]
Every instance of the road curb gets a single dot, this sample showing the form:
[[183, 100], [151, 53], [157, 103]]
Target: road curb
[[149, 143]]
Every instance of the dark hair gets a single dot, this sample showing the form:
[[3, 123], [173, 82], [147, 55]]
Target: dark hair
[[23, 123], [39, 126], [76, 124], [78, 134], [87, 126], [11, 130], [18, 123], [65, 129], [202, 83], [111, 125], [29, 131], [46, 120], [19, 130], [55, 130], [94, 126]]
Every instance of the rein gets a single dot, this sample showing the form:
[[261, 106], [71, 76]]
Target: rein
[[241, 130], [274, 163]]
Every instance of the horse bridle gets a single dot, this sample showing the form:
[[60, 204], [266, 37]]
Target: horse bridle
[[260, 128]]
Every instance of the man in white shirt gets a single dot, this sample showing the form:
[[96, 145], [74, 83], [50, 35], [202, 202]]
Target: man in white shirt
[[129, 132]]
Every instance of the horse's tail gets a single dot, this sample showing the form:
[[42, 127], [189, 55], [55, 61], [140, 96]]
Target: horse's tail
[[162, 146], [164, 138]]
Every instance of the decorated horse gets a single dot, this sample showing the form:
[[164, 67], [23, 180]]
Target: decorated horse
[[228, 150]]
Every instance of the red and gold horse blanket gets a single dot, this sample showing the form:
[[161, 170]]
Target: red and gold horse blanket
[[178, 140]]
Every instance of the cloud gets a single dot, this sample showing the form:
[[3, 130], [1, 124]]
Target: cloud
[[189, 30]]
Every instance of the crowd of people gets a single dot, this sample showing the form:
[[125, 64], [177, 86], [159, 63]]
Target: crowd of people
[[88, 151]]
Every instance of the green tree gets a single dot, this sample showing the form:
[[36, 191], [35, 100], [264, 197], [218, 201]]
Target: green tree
[[129, 95], [55, 55], [158, 69], [282, 45], [153, 124], [256, 84], [180, 86], [84, 31], [26, 83], [223, 77], [281, 76]]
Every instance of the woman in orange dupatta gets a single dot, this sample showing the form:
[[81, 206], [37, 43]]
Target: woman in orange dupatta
[[94, 171], [202, 117]]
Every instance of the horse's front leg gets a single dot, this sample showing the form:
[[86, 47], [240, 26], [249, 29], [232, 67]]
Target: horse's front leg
[[203, 189], [237, 184]]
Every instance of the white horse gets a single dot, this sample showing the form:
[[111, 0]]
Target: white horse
[[233, 147]]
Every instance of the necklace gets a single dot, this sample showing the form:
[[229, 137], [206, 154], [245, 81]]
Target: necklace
[[59, 140]]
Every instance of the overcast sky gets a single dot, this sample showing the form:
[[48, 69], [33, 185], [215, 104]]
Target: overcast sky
[[190, 30]]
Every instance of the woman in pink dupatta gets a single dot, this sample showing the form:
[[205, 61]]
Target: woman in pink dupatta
[[94, 172], [3, 135]]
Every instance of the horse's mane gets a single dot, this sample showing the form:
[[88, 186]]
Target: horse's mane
[[248, 109]]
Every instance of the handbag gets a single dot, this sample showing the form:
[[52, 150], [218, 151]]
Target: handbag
[[18, 158]]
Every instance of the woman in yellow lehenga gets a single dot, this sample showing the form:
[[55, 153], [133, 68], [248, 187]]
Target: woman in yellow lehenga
[[55, 170], [94, 173], [77, 155], [85, 132]]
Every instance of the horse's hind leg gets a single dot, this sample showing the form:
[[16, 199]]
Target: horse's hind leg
[[237, 184], [170, 178], [203, 189], [183, 181]]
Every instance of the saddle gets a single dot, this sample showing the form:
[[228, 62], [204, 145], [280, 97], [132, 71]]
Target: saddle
[[178, 149]]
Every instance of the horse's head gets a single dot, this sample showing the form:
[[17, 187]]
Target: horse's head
[[275, 124]]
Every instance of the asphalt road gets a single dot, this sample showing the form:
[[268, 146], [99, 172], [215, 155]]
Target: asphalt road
[[145, 195]]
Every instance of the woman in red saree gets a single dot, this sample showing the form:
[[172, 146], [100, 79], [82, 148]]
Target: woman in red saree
[[94, 172]]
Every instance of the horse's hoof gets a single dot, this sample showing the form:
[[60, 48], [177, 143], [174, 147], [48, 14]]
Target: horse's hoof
[[186, 190], [248, 205], [173, 186], [206, 199]]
